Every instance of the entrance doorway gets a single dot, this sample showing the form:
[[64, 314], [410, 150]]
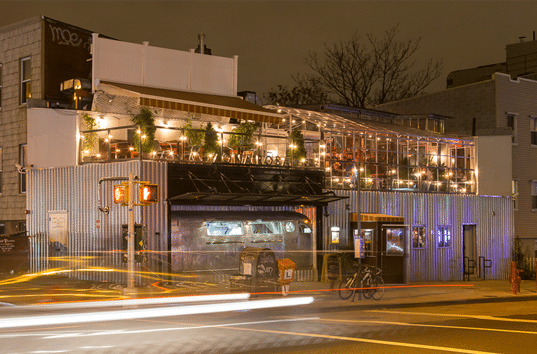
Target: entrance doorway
[[469, 251]]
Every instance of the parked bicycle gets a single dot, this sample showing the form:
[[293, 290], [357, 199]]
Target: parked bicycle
[[366, 280]]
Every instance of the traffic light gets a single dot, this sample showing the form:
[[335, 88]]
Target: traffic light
[[148, 193], [121, 194]]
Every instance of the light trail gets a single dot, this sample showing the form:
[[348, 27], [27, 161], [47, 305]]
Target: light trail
[[148, 313]]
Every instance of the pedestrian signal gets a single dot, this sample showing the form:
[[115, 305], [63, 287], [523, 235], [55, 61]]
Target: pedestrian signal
[[121, 194], [148, 193]]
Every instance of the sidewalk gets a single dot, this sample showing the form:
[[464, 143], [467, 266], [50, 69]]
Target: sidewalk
[[62, 289]]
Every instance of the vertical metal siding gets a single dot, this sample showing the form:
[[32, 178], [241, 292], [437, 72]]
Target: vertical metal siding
[[76, 190], [491, 215]]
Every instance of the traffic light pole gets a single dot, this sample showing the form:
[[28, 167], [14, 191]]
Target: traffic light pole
[[130, 290]]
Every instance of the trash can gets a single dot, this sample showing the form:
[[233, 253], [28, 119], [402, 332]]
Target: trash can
[[257, 271], [286, 268]]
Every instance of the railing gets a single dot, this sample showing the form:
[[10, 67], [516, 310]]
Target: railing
[[349, 170]]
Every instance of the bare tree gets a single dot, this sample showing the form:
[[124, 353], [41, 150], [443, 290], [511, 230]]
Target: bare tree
[[307, 90], [364, 73]]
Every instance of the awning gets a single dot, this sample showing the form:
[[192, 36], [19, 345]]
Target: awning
[[376, 217], [223, 106], [253, 199]]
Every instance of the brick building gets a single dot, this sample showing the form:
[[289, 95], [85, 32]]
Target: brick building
[[36, 55]]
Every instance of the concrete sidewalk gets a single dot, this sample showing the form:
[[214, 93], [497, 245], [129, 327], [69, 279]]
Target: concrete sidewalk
[[61, 289]]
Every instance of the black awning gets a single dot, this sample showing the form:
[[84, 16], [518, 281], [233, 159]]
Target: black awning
[[252, 199]]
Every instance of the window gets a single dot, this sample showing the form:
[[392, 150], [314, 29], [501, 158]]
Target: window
[[512, 123], [368, 235], [0, 85], [514, 191], [394, 241], [23, 163], [443, 235], [534, 195], [224, 228], [533, 130], [2, 228], [22, 226], [1, 168], [26, 71], [418, 236]]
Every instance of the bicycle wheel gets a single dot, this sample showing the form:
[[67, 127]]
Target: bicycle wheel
[[346, 288], [378, 284], [367, 289]]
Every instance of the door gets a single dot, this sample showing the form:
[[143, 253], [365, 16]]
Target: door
[[58, 231], [393, 253], [469, 250]]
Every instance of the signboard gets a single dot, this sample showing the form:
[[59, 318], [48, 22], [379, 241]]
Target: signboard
[[359, 251], [14, 253]]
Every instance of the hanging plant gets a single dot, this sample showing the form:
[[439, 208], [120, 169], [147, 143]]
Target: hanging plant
[[211, 145], [243, 134], [90, 139], [146, 120]]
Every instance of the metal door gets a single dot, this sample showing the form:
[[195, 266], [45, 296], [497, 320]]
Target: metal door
[[469, 250], [393, 253]]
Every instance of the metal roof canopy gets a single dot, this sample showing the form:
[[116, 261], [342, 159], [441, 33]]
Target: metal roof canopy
[[202, 103], [253, 199], [331, 122]]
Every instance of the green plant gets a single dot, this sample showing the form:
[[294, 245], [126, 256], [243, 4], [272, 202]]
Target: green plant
[[243, 134], [195, 137], [89, 138], [211, 145], [297, 152], [146, 121]]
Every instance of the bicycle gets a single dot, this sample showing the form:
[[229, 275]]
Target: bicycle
[[368, 284]]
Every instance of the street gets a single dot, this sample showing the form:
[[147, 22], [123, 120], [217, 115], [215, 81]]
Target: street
[[497, 327]]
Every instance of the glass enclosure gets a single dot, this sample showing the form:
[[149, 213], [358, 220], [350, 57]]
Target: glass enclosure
[[352, 154]]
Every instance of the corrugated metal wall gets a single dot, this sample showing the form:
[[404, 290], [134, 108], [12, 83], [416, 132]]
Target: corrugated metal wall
[[93, 235], [491, 215]]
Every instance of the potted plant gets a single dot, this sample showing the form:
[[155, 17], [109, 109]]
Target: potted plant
[[90, 139], [146, 120], [242, 135], [297, 151], [211, 146]]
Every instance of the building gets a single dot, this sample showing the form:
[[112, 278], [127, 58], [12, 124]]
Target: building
[[499, 106], [36, 55], [234, 175]]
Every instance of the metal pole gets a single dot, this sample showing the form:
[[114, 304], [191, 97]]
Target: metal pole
[[130, 290]]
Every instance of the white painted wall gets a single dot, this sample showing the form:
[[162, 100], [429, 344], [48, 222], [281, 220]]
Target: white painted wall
[[494, 163], [141, 64], [52, 138]]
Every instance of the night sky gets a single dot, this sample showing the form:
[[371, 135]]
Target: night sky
[[273, 38]]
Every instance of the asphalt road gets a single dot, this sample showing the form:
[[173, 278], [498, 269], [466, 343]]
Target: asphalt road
[[504, 327]]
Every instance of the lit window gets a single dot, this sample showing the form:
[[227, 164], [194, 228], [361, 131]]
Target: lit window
[[394, 241], [25, 71], [443, 235], [224, 228], [514, 191], [418, 236]]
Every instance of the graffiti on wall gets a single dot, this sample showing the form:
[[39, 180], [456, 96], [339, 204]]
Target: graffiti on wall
[[63, 36]]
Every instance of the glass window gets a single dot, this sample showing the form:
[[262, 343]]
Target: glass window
[[266, 228], [224, 228], [0, 85], [2, 228], [418, 236], [394, 241], [443, 235], [368, 236], [534, 195], [1, 168], [512, 123], [533, 130], [25, 83], [23, 162], [22, 226], [514, 191]]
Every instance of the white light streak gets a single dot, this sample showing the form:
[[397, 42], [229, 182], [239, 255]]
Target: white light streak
[[150, 312]]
